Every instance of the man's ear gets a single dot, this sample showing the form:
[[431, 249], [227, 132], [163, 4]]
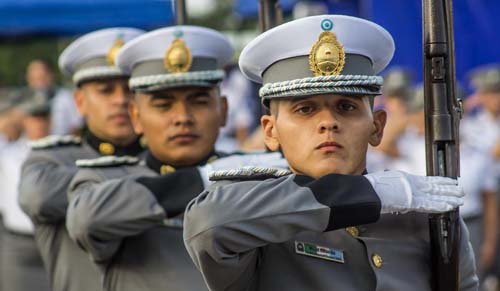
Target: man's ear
[[379, 120], [134, 112], [80, 101], [223, 110], [271, 138]]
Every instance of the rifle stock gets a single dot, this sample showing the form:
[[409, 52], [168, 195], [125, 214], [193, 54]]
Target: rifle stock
[[442, 116]]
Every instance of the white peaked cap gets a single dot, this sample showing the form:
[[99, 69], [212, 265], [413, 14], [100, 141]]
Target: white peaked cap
[[290, 60], [295, 38], [89, 52], [144, 58]]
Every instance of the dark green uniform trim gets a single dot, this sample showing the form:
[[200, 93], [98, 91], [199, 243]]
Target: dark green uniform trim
[[133, 149], [174, 190], [352, 199]]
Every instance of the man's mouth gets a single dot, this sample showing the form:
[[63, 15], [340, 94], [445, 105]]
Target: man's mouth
[[329, 146], [119, 117], [184, 138]]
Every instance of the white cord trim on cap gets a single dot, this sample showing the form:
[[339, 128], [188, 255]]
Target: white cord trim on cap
[[157, 82], [97, 73], [341, 84]]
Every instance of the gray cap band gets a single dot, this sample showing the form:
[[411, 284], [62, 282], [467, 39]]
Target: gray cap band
[[93, 62], [298, 68], [157, 67], [96, 69]]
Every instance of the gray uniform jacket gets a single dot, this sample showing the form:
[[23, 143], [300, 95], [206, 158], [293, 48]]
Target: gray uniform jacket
[[131, 226], [43, 190], [45, 177], [289, 233]]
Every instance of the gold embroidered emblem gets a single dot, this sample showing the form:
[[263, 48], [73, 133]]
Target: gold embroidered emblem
[[143, 141], [113, 51], [106, 148], [178, 58], [327, 56], [212, 158], [165, 169], [352, 230]]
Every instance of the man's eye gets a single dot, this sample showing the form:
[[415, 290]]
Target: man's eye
[[201, 101], [105, 89], [347, 107], [161, 105], [305, 109]]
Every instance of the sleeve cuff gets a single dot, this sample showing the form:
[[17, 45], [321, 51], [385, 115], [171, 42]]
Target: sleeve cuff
[[352, 199], [173, 191]]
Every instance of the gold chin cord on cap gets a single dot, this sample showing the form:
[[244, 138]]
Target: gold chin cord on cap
[[327, 56]]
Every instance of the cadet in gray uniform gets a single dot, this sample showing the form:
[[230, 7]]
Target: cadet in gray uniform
[[326, 225], [132, 226], [102, 96]]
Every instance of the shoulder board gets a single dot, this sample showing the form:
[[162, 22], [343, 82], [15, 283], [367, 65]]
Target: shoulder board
[[107, 161], [55, 141], [249, 173]]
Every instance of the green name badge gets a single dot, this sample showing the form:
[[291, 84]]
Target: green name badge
[[312, 250]]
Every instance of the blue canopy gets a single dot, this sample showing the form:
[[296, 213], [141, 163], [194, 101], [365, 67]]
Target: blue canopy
[[476, 22], [250, 8], [67, 17]]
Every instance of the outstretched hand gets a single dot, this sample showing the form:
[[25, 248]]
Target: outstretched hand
[[402, 192]]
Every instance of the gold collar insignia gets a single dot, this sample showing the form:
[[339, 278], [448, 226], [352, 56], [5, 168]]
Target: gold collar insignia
[[165, 169], [106, 148]]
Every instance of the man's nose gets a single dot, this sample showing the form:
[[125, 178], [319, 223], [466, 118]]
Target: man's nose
[[121, 95], [328, 121], [182, 114]]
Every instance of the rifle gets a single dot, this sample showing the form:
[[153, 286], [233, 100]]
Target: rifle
[[180, 12], [270, 14], [442, 115]]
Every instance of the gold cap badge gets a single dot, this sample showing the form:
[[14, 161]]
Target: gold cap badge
[[113, 51], [178, 58], [327, 56]]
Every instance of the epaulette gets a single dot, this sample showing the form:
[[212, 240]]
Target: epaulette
[[248, 173], [107, 161], [55, 141]]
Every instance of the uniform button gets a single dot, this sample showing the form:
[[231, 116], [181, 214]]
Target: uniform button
[[354, 231], [377, 260]]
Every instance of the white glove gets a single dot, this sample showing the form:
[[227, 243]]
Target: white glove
[[402, 192], [268, 160]]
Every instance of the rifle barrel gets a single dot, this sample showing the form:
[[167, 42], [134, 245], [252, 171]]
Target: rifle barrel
[[442, 141]]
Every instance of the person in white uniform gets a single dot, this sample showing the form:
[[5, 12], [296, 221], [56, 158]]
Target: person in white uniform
[[22, 267]]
